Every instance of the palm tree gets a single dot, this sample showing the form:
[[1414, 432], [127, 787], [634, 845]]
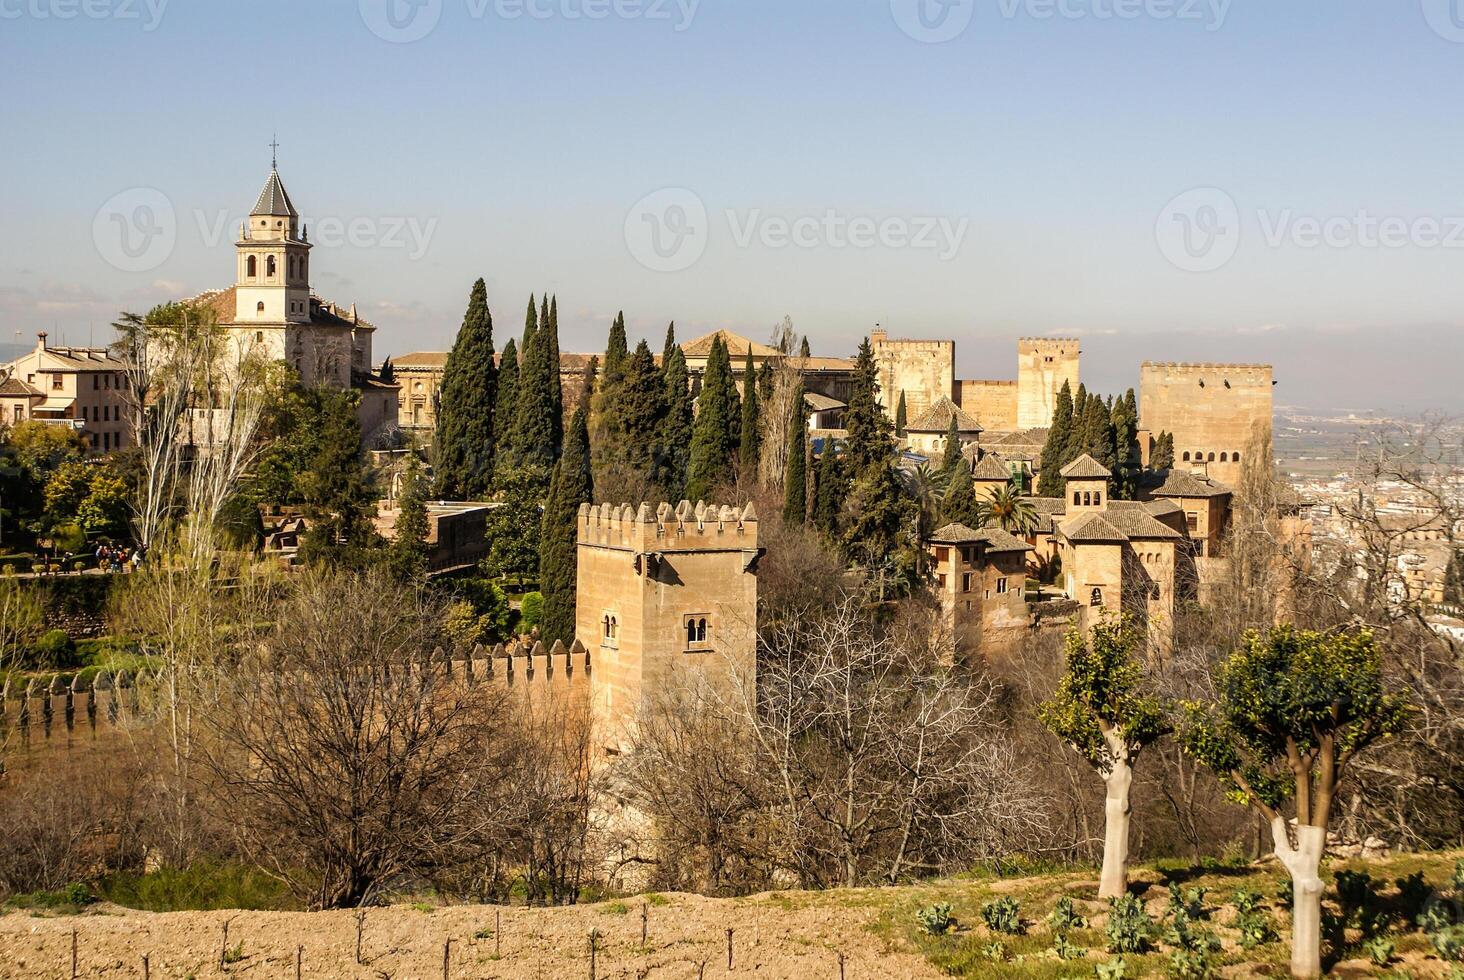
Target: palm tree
[[1010, 511]]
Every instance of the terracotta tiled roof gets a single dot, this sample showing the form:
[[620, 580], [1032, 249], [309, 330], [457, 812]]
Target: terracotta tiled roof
[[1092, 529], [1182, 483], [821, 403], [992, 467], [993, 538], [826, 363], [937, 418], [420, 360], [1137, 521], [736, 346], [16, 388], [1085, 467], [323, 313]]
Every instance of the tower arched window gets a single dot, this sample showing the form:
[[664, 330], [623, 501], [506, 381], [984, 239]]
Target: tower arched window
[[1224, 457], [1235, 458], [1186, 457], [259, 308], [251, 267], [1212, 458], [270, 267], [1077, 499]]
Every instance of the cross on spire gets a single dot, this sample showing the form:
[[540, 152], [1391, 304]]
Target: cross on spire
[[274, 156]]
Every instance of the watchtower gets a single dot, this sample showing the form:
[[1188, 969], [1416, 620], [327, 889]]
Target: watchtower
[[1043, 365], [666, 596]]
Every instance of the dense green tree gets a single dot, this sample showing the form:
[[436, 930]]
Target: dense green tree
[[765, 383], [531, 328], [639, 407], [506, 405], [950, 459], [869, 429], [536, 416], [337, 502], [830, 490], [1127, 464], [463, 453], [881, 532], [712, 444], [677, 422], [1077, 440], [1292, 710], [556, 383], [1098, 432], [669, 346], [1161, 456], [958, 504], [749, 447], [795, 476], [407, 554], [1049, 481], [617, 354], [91, 494], [513, 526], [902, 416], [571, 486], [1104, 710]]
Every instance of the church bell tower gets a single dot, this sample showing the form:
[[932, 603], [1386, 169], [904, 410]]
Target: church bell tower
[[273, 285]]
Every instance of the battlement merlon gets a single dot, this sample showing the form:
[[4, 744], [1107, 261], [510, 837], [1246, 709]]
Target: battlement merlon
[[1185, 367], [1048, 341], [687, 527]]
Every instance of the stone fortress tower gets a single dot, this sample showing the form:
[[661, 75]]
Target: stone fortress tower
[[1044, 365], [1220, 414], [665, 597]]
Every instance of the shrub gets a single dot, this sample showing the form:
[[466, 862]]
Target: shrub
[[1191, 902], [202, 886], [1286, 892], [1064, 917], [55, 650], [1245, 901], [13, 564], [996, 952], [531, 611], [1112, 970], [1129, 929], [1380, 950], [1457, 882], [1187, 964], [1414, 892], [1255, 928], [1003, 915], [1183, 935], [1354, 894], [74, 897], [936, 919], [1449, 943], [1434, 918], [1066, 950]]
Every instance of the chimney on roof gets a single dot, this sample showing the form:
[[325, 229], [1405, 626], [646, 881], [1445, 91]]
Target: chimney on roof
[[353, 312], [41, 340]]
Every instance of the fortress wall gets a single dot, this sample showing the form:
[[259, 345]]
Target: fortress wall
[[1043, 365], [994, 403], [1215, 412], [923, 369]]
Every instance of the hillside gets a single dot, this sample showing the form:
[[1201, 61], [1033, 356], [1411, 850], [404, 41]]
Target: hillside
[[779, 935]]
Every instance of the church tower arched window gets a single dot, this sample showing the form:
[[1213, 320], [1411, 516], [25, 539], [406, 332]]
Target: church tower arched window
[[251, 267], [270, 267]]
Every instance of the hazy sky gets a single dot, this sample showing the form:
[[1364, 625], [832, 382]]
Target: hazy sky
[[1259, 180]]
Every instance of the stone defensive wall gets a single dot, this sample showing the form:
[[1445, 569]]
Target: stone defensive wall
[[53, 715], [1218, 413]]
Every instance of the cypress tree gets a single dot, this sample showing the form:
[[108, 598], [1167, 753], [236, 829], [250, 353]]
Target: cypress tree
[[765, 383], [795, 477], [617, 354], [531, 328], [1161, 457], [1077, 440], [951, 460], [669, 346], [902, 418], [959, 505], [338, 506], [1098, 430], [571, 486], [463, 456], [748, 449], [534, 417], [1127, 461], [556, 383], [1049, 481], [676, 426], [711, 442], [505, 406], [869, 429], [803, 350], [830, 492], [407, 555], [388, 373], [639, 404]]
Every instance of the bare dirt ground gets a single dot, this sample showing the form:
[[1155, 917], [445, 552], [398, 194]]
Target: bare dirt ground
[[684, 936]]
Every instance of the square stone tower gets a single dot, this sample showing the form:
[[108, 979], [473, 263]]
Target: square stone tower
[[1043, 364], [665, 597], [1219, 415]]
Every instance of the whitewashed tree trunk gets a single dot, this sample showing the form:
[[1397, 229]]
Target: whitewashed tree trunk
[[1116, 809], [1303, 862]]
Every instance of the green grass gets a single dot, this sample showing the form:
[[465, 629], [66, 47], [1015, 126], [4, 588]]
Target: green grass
[[656, 899], [967, 950], [614, 908], [200, 887], [70, 900]]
